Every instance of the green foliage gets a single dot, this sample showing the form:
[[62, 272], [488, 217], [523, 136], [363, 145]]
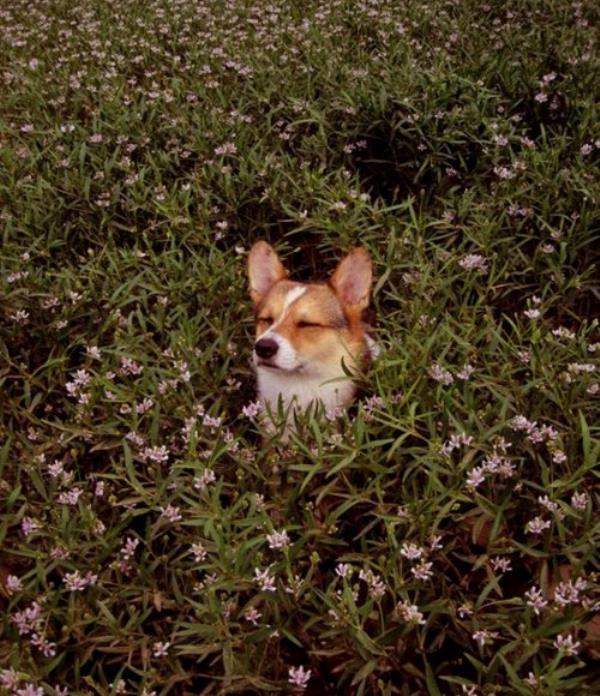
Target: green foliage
[[441, 537]]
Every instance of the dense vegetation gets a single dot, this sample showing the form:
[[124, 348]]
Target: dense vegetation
[[441, 537]]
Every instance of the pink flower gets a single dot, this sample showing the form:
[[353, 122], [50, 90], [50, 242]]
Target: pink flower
[[411, 551], [201, 482], [278, 540], [160, 649], [252, 615], [171, 513], [344, 570], [29, 526], [567, 645], [484, 637], [299, 677], [252, 409], [474, 262], [441, 375], [13, 584], [75, 582], [423, 571], [537, 525], [410, 613], [265, 581], [500, 564], [535, 600], [199, 552], [579, 501]]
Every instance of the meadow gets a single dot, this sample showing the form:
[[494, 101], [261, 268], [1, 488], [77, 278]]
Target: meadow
[[438, 538]]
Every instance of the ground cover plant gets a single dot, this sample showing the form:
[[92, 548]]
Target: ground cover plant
[[439, 538]]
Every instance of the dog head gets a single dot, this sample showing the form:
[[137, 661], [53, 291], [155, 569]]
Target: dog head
[[309, 329]]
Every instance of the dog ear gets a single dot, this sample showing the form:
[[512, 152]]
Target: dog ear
[[352, 279], [264, 270]]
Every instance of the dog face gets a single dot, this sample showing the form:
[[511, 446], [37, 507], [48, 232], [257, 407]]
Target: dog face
[[306, 332]]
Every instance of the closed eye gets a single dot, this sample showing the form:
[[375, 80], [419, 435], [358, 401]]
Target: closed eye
[[266, 320], [309, 324]]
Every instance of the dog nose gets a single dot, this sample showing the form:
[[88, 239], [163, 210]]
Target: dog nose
[[266, 348]]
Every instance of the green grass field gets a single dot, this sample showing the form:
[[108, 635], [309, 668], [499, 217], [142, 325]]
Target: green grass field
[[441, 537]]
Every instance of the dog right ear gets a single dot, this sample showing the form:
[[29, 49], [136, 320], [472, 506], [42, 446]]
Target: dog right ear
[[264, 270]]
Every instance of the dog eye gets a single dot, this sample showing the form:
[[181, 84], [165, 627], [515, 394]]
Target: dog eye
[[266, 320], [307, 324]]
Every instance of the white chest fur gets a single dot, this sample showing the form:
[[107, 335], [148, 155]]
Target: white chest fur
[[303, 389]]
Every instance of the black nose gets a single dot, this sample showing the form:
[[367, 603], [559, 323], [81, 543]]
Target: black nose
[[266, 348]]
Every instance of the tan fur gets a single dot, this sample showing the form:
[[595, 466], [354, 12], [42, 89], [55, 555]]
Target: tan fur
[[311, 359]]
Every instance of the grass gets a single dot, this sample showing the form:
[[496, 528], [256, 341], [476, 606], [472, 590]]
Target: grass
[[441, 537]]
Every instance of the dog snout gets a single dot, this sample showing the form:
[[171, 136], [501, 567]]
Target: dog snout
[[266, 348]]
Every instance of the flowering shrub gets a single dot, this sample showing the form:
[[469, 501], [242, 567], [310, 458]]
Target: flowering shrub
[[441, 537]]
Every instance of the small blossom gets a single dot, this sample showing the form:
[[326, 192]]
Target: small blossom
[[159, 455], [441, 375], [198, 551], [160, 649], [171, 513], [423, 571], [278, 540], [252, 409], [547, 503], [476, 477], [299, 677], [579, 501], [13, 584], [252, 615], [265, 581], [410, 613], [535, 600], [9, 679], [484, 637], [225, 149], [465, 611], [567, 645], [533, 681], [375, 583], [500, 564], [466, 372], [537, 525], [75, 582], [344, 570], [201, 483], [70, 497], [568, 592], [474, 262], [30, 690], [29, 526], [411, 551]]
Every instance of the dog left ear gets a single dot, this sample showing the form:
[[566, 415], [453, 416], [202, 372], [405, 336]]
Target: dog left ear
[[352, 279], [264, 270]]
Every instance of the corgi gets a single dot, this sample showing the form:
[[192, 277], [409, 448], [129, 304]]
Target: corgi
[[310, 337]]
